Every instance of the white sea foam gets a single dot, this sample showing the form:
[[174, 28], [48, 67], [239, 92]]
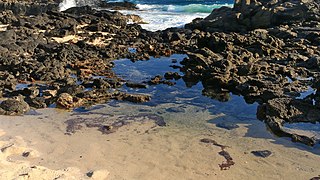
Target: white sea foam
[[160, 20], [160, 17], [190, 8], [66, 4]]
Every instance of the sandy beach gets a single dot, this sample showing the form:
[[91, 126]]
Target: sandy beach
[[142, 150]]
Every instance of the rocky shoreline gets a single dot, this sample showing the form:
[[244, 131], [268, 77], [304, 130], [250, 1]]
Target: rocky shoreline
[[256, 50]]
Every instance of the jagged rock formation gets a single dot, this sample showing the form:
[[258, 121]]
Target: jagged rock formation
[[252, 49], [248, 15], [27, 7]]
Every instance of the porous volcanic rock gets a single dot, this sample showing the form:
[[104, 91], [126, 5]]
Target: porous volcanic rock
[[14, 106]]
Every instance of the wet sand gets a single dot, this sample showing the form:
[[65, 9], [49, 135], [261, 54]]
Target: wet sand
[[143, 150]]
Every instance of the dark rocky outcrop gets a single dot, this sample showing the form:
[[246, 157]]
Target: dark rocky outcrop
[[249, 15], [14, 106], [118, 5], [266, 51], [278, 111], [65, 51], [23, 7]]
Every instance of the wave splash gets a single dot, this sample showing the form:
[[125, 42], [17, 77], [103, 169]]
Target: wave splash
[[190, 8], [159, 16], [66, 4]]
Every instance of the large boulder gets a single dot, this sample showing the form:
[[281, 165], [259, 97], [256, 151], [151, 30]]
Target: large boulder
[[67, 101], [14, 106]]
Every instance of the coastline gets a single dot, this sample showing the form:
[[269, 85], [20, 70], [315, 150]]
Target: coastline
[[65, 59]]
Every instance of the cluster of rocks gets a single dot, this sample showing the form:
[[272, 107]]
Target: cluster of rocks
[[62, 57], [266, 51], [28, 7], [278, 111]]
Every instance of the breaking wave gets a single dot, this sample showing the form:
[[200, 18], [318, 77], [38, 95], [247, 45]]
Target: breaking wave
[[190, 8]]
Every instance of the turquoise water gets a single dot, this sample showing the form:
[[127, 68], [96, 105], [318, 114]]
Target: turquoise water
[[178, 2], [160, 15], [190, 6], [163, 14]]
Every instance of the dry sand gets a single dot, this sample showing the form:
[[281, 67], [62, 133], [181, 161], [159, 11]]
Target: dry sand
[[142, 150]]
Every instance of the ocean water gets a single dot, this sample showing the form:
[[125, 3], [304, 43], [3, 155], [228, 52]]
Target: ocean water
[[163, 14]]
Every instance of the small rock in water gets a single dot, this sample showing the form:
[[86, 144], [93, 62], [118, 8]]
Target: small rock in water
[[172, 75], [176, 110], [113, 104], [208, 141], [135, 98], [264, 153], [136, 85], [144, 110], [227, 125], [160, 122]]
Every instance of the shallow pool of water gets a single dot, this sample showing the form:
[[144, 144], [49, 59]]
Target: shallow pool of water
[[235, 110], [181, 92]]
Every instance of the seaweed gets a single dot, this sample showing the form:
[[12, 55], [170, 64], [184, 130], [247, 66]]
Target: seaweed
[[4, 148], [229, 160], [107, 125], [213, 142]]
